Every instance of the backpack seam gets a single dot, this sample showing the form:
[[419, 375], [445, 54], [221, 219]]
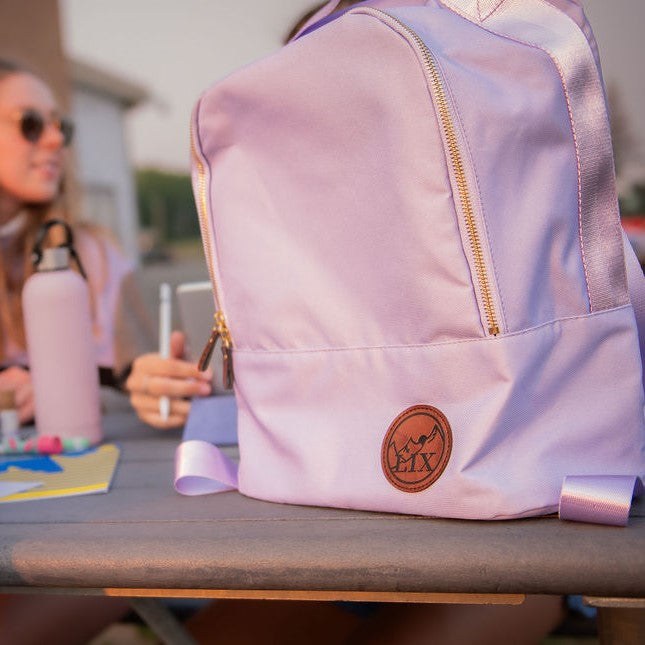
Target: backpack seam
[[494, 11], [521, 332]]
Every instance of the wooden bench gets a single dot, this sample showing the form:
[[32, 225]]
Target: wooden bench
[[143, 540]]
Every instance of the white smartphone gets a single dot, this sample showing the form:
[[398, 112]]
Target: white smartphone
[[196, 307]]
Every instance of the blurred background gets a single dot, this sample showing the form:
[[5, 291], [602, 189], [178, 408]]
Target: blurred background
[[130, 73]]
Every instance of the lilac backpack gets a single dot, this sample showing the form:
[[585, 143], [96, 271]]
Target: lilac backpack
[[410, 221]]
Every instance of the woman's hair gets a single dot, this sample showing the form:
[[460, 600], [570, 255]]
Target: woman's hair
[[15, 260], [297, 26]]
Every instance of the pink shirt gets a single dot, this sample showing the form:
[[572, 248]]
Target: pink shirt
[[106, 267]]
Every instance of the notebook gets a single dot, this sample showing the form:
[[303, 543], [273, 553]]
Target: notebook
[[33, 477]]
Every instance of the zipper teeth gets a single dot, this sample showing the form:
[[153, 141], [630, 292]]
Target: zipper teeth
[[460, 175], [201, 212]]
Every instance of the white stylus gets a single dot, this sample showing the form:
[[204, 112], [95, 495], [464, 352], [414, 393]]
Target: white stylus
[[165, 316]]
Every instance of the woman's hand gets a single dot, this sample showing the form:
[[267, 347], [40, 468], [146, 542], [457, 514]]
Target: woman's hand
[[19, 380], [153, 377]]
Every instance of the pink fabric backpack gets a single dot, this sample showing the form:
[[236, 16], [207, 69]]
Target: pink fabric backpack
[[410, 220]]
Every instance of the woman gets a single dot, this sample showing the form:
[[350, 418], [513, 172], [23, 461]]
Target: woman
[[33, 142], [33, 149], [34, 137]]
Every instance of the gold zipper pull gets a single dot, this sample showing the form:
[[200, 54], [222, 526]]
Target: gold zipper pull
[[207, 352], [227, 350], [220, 332], [227, 371]]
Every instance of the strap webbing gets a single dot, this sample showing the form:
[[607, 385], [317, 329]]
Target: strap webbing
[[599, 499]]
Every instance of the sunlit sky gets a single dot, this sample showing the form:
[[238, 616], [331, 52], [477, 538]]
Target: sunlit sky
[[176, 48]]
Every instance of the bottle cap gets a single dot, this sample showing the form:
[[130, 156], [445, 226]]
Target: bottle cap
[[7, 400], [54, 259]]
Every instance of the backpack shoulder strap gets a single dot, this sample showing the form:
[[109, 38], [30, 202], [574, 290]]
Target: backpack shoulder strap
[[539, 24]]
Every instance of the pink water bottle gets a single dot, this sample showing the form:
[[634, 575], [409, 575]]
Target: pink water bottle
[[58, 326]]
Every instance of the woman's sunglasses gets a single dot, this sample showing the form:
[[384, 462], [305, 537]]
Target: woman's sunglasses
[[32, 124]]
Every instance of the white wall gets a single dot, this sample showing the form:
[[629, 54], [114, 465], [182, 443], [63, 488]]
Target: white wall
[[104, 170]]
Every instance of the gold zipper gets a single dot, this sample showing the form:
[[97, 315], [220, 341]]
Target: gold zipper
[[458, 168], [220, 330]]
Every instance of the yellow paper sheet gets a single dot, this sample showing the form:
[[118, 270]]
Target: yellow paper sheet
[[81, 474]]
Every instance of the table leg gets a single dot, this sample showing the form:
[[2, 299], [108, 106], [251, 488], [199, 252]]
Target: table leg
[[162, 621], [620, 626]]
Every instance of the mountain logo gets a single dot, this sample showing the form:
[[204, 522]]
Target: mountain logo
[[416, 448]]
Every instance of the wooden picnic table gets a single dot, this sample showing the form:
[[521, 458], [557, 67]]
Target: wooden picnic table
[[142, 539]]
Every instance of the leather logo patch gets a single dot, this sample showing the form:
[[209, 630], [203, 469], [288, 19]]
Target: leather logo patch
[[416, 448]]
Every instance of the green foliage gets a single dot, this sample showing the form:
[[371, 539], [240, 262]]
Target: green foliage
[[165, 201], [633, 203]]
